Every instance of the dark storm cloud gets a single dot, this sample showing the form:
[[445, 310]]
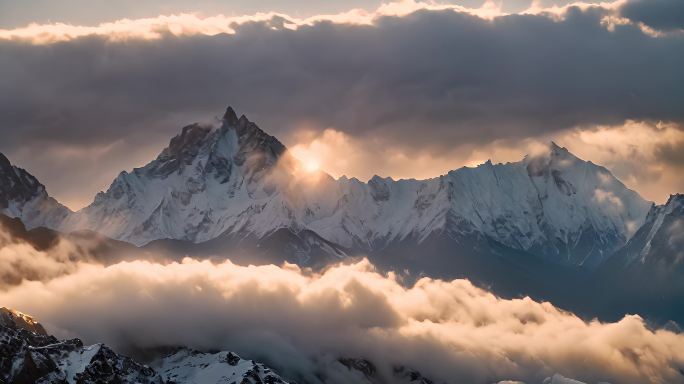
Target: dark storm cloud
[[664, 15], [431, 79]]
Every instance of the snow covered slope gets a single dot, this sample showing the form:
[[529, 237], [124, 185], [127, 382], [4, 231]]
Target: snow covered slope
[[206, 182], [555, 379], [194, 367], [660, 241], [235, 180], [24, 197]]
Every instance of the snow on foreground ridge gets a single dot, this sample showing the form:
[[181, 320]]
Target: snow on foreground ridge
[[555, 379], [28, 356], [188, 366], [300, 322]]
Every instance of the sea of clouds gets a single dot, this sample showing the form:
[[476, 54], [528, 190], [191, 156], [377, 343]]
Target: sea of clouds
[[301, 322]]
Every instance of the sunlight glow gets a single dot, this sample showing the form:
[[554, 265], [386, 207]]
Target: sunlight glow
[[310, 156], [311, 165]]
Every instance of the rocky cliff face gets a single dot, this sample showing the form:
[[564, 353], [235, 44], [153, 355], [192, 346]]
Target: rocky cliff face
[[29, 355], [24, 197], [659, 243]]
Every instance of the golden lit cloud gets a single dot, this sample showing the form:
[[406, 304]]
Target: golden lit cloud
[[448, 330], [185, 24], [636, 152], [633, 151], [192, 24], [340, 154]]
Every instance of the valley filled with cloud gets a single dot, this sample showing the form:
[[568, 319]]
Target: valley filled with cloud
[[302, 322]]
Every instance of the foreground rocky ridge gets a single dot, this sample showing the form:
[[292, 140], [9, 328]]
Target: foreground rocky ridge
[[29, 355]]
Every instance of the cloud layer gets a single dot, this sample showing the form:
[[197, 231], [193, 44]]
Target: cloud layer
[[409, 78], [301, 322], [646, 156], [21, 261]]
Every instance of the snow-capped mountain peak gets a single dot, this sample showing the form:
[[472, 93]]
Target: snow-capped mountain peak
[[205, 182], [236, 141], [24, 197], [551, 203], [544, 162]]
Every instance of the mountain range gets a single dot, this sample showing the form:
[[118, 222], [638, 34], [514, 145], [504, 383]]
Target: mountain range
[[232, 190]]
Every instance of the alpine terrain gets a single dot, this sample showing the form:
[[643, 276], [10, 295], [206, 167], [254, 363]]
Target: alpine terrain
[[230, 190], [233, 182]]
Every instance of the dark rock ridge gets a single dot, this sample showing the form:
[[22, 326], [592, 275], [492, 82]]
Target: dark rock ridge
[[29, 355], [18, 320], [659, 243], [17, 184], [23, 196], [253, 145]]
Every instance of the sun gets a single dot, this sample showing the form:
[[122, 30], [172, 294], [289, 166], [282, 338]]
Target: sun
[[309, 159], [311, 165]]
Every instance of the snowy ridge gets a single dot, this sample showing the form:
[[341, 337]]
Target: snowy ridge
[[24, 197], [30, 357], [235, 179], [657, 215], [15, 319], [208, 181], [555, 379], [660, 241], [194, 367]]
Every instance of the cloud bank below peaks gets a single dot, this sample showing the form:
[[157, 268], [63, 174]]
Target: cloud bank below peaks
[[301, 322]]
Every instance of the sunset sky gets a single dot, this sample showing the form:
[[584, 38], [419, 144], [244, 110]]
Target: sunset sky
[[403, 89], [176, 242]]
